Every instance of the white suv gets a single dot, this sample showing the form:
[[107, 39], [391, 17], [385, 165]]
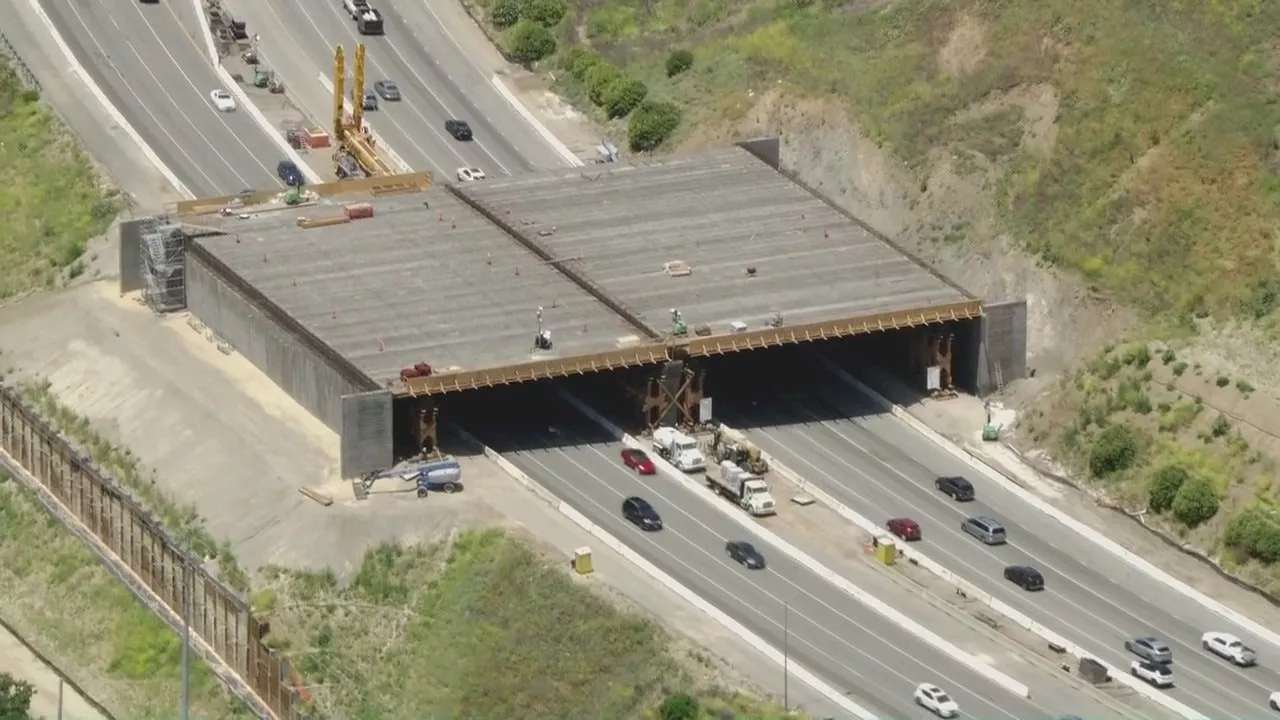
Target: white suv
[[470, 174], [936, 700], [1154, 673]]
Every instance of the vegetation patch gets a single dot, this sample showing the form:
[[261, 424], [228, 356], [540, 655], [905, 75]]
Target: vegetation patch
[[482, 627], [52, 201], [56, 593], [1153, 434]]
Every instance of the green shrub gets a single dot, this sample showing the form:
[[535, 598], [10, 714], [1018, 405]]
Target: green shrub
[[599, 78], [528, 42], [1196, 502], [547, 13], [1165, 484], [15, 698], [679, 61], [679, 707], [505, 13], [623, 96], [651, 124], [1255, 532], [1115, 450], [579, 61], [1179, 368]]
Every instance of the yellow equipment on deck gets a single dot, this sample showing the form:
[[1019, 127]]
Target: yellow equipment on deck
[[350, 132]]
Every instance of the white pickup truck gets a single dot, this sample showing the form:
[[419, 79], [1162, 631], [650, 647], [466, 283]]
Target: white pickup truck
[[1229, 647], [679, 449], [748, 491]]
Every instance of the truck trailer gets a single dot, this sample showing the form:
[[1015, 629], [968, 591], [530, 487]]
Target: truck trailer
[[678, 449], [749, 492]]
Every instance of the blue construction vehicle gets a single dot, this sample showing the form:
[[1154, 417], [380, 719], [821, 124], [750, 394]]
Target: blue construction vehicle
[[439, 474]]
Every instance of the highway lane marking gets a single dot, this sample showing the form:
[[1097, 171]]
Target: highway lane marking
[[799, 590], [371, 59], [999, 590], [143, 106], [195, 88]]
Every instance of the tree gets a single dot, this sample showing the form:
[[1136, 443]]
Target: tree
[[505, 14], [651, 124], [598, 79], [679, 61], [623, 96], [679, 707], [1196, 502], [15, 698], [547, 13], [1115, 450], [1165, 484], [528, 42], [1255, 532]]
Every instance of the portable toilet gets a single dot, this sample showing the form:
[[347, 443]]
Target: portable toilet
[[582, 561], [886, 550]]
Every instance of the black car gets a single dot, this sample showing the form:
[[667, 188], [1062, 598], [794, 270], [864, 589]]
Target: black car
[[459, 129], [957, 487], [289, 173], [744, 553], [641, 513], [387, 90], [1025, 577], [370, 101]]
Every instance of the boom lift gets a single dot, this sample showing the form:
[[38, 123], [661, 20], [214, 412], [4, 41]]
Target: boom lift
[[353, 138]]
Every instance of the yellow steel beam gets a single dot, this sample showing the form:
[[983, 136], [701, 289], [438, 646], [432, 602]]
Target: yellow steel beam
[[538, 370], [385, 185], [829, 330], [357, 91], [339, 81]]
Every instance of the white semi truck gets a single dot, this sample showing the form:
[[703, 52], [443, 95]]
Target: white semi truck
[[749, 492], [678, 449]]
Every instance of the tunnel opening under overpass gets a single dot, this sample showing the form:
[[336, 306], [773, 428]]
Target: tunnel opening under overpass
[[739, 385]]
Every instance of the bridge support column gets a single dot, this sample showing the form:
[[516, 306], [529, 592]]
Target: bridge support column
[[934, 348], [672, 396]]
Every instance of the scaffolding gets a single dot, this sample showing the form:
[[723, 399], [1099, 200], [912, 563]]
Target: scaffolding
[[162, 253]]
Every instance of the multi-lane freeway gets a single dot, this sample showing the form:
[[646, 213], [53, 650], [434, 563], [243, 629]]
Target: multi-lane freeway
[[847, 645], [840, 441], [435, 74], [155, 73]]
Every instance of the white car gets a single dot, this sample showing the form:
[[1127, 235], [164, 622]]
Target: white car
[[223, 100], [1229, 647], [936, 700], [469, 174], [1154, 673], [1274, 701]]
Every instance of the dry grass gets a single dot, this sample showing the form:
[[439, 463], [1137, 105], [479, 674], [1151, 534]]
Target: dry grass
[[52, 201]]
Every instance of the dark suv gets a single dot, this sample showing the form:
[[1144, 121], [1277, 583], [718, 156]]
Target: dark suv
[[459, 129], [641, 513], [957, 487], [1025, 577], [290, 173]]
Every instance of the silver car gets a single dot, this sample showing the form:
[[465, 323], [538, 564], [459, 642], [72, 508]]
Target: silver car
[[1150, 649], [987, 530]]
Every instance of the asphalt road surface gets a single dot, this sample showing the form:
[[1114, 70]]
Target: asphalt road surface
[[849, 646], [436, 79], [157, 75], [880, 468]]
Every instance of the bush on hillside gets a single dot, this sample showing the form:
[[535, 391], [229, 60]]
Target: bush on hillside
[[651, 124], [547, 13], [528, 42], [599, 78], [1115, 450], [579, 60], [679, 707], [505, 13], [1165, 484], [1256, 533], [1196, 502], [623, 96], [679, 61]]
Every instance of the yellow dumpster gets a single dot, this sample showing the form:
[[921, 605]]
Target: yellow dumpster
[[886, 550], [582, 560]]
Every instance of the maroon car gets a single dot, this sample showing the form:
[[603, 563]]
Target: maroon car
[[905, 528], [638, 461]]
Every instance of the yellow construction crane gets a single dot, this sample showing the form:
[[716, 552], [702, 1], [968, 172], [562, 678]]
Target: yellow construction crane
[[350, 132]]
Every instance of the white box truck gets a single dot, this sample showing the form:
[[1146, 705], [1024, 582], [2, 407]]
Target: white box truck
[[678, 449], [749, 492]]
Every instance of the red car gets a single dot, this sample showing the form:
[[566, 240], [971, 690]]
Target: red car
[[905, 528], [638, 461]]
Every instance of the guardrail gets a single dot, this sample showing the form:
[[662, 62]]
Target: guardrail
[[141, 553]]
